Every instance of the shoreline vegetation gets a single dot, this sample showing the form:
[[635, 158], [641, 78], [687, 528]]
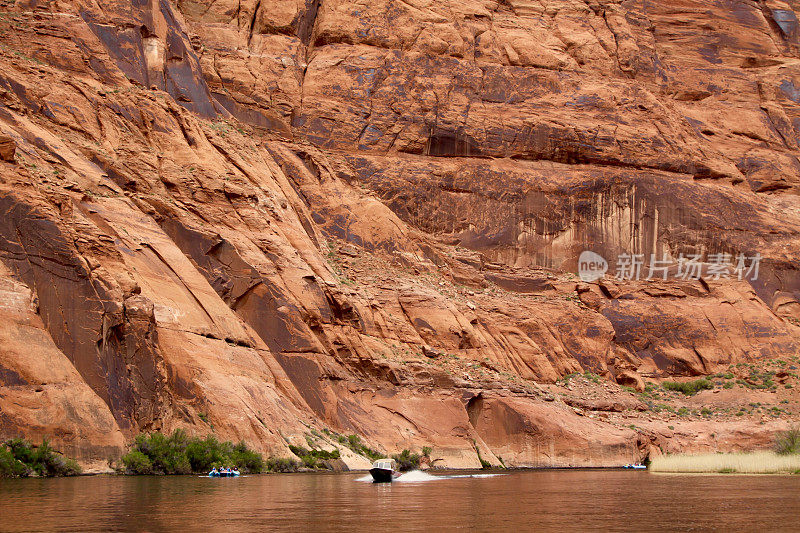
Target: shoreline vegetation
[[783, 459], [20, 458], [159, 454], [176, 454], [727, 463], [156, 453]]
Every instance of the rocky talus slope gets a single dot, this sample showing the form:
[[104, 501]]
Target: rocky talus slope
[[268, 218]]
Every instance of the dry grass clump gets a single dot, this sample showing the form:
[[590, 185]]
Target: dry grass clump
[[788, 443], [689, 387], [742, 463]]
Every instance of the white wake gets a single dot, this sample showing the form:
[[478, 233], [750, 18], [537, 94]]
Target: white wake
[[418, 476]]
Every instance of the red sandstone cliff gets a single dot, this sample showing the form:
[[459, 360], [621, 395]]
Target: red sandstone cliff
[[262, 218]]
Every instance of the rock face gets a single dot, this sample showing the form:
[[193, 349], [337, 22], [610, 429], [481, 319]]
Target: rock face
[[270, 218], [7, 148]]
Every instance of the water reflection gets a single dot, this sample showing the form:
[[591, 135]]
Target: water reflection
[[541, 500]]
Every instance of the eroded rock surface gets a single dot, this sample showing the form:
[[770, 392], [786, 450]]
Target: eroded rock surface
[[270, 218]]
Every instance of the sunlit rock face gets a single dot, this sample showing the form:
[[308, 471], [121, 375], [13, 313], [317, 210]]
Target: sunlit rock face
[[267, 218], [541, 128]]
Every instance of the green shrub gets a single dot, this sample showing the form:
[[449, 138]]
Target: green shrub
[[566, 379], [354, 443], [22, 450], [484, 463], [166, 453], [406, 460], [788, 443], [19, 458], [314, 458], [281, 464], [137, 463], [48, 463], [689, 387], [426, 451], [592, 377], [10, 466], [246, 459], [178, 454], [208, 453]]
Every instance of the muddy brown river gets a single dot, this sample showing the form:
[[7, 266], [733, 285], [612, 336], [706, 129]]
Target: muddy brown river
[[551, 500]]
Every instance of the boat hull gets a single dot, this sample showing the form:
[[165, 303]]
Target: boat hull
[[381, 475]]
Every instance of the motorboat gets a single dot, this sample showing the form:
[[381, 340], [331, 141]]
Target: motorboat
[[384, 471]]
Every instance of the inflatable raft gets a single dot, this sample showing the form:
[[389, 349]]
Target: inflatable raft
[[636, 467], [232, 473]]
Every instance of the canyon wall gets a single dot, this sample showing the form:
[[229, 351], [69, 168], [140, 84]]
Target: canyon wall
[[265, 218]]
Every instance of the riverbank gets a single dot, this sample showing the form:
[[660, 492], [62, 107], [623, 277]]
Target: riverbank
[[728, 463]]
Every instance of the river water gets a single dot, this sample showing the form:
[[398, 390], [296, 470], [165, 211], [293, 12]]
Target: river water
[[543, 500]]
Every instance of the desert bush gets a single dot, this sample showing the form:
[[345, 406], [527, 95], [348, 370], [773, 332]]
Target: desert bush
[[406, 460], [22, 450], [354, 443], [788, 443], [20, 458], [205, 454], [314, 458], [178, 454], [281, 464], [136, 462], [688, 387], [47, 462], [10, 466], [167, 453], [246, 459]]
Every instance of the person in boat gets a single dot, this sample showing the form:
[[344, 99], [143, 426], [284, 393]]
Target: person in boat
[[214, 471]]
